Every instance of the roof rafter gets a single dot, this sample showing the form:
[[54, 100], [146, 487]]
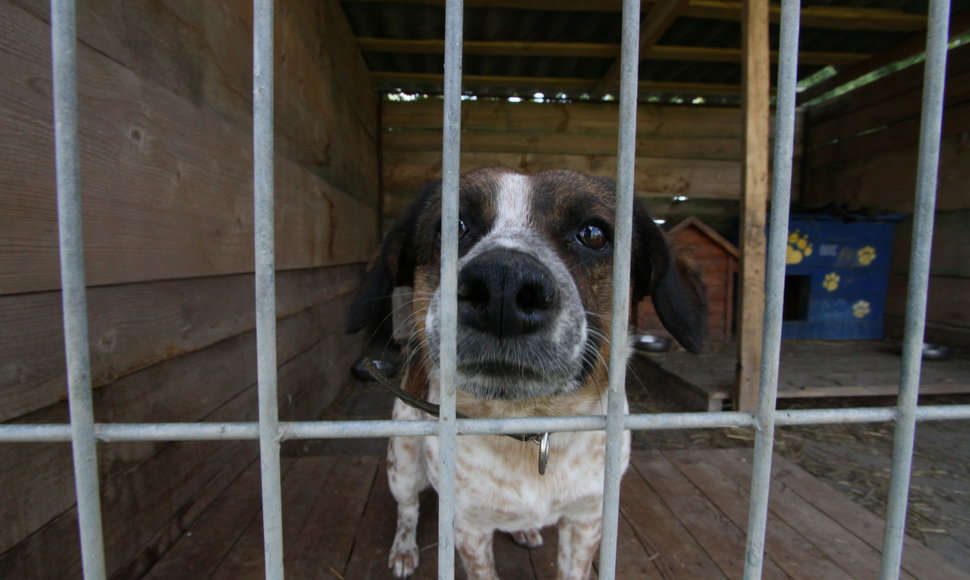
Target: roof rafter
[[653, 26], [594, 50], [833, 17], [551, 84]]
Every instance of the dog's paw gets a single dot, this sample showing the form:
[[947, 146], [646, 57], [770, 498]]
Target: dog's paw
[[531, 539], [403, 560]]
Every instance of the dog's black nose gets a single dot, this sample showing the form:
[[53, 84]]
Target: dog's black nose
[[506, 293]]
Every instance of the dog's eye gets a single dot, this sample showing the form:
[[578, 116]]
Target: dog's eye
[[593, 237], [462, 231]]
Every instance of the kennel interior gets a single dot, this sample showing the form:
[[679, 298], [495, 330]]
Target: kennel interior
[[166, 172]]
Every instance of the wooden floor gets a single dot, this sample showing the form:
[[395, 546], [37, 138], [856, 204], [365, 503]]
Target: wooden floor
[[807, 369], [682, 516]]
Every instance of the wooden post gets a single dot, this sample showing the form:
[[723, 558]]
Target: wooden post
[[754, 199]]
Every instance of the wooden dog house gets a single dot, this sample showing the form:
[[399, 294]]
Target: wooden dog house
[[717, 261]]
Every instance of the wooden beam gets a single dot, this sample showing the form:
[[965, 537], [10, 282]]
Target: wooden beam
[[833, 17], [496, 48], [655, 23], [838, 18], [754, 199], [595, 50], [576, 86], [914, 45]]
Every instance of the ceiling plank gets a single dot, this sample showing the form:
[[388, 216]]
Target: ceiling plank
[[833, 17], [959, 25], [654, 24], [595, 50], [550, 85]]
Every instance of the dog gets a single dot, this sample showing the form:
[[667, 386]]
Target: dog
[[534, 304]]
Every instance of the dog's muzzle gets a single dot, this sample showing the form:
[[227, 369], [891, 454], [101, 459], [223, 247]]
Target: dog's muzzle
[[506, 294]]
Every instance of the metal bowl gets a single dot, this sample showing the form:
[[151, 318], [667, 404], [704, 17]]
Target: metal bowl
[[930, 351], [387, 368], [651, 343]]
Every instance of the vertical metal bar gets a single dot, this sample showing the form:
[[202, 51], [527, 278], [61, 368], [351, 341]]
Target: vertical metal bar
[[265, 277], [73, 293], [775, 286], [451, 155], [622, 236], [919, 270]]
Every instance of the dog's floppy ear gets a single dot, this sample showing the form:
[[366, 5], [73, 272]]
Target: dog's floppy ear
[[392, 267], [676, 288]]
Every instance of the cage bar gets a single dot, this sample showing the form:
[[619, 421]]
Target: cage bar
[[73, 292], [765, 417], [84, 433], [931, 123], [265, 279], [619, 332], [451, 156]]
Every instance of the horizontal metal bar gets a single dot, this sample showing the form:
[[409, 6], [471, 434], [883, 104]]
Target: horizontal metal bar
[[352, 429]]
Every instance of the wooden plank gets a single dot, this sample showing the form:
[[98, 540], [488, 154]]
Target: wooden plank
[[655, 23], [947, 259], [754, 200], [837, 543], [837, 17], [193, 387], [375, 534], [214, 534], [184, 316], [154, 207], [886, 101], [918, 560], [632, 558], [722, 540], [571, 118], [300, 488], [886, 182], [557, 142], [915, 44], [432, 83], [675, 552], [712, 179], [883, 139], [323, 544], [793, 550], [948, 301], [592, 50], [203, 53]]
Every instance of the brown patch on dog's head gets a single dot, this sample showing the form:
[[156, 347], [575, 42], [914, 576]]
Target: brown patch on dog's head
[[535, 276]]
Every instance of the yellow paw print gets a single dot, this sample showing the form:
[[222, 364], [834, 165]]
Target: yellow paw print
[[831, 282], [866, 255], [861, 308], [798, 248]]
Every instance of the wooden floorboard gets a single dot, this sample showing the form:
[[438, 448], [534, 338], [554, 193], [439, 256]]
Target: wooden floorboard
[[682, 516], [861, 368]]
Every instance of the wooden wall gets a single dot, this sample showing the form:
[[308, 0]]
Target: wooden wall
[[691, 151], [166, 165], [861, 151]]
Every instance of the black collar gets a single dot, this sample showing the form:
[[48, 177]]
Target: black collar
[[540, 439]]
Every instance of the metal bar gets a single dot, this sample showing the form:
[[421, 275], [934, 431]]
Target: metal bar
[[931, 123], [265, 279], [619, 332], [297, 430], [765, 417], [447, 422], [73, 292]]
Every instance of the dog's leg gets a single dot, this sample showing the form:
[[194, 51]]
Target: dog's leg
[[579, 538], [531, 538], [475, 548], [407, 478]]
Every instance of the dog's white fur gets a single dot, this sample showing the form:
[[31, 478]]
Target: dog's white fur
[[545, 239], [496, 488]]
